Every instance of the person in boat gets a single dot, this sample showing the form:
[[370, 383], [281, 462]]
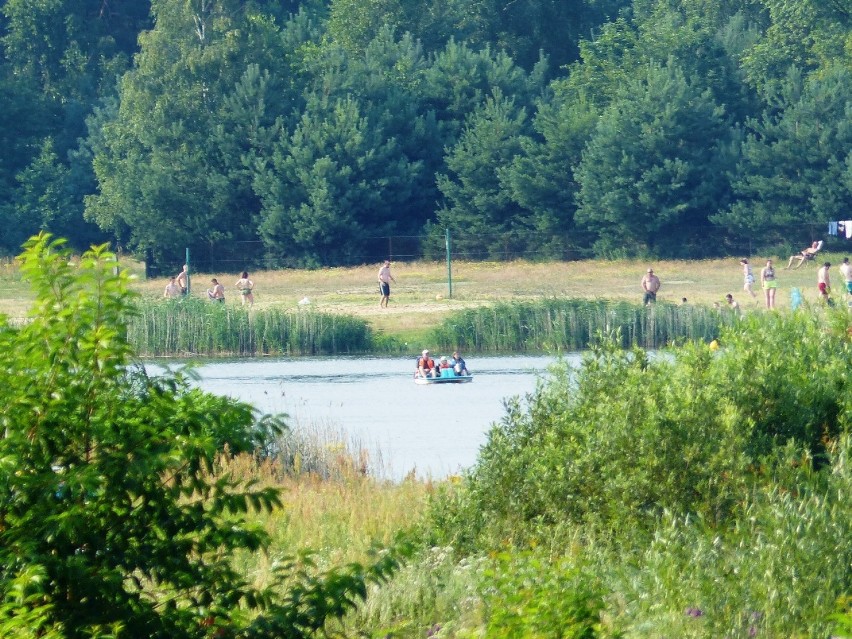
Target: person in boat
[[426, 365], [458, 364]]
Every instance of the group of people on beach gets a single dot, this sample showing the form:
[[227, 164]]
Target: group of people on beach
[[179, 286], [768, 281]]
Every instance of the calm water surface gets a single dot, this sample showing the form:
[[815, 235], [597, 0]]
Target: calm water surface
[[434, 430]]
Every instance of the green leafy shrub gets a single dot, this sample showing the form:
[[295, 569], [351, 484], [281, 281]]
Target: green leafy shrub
[[529, 596], [114, 521], [627, 437]]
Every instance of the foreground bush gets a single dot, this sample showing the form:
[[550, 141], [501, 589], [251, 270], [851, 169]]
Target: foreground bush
[[707, 489], [113, 521], [627, 437]]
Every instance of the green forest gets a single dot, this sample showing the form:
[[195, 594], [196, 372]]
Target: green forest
[[321, 132]]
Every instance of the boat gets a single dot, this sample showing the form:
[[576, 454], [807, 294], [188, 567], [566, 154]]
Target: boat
[[448, 379]]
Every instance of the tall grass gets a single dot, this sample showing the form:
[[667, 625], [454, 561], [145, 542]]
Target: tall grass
[[572, 324], [190, 326]]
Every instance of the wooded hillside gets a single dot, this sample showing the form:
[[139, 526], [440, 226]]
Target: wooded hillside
[[332, 132]]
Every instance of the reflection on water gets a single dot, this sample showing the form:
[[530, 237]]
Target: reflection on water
[[434, 430]]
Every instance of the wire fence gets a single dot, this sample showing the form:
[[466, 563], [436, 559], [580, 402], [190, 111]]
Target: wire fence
[[238, 255]]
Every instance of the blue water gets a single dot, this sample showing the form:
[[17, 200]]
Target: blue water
[[432, 431]]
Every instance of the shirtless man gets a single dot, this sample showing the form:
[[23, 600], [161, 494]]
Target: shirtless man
[[182, 279], [846, 272], [216, 292], [426, 365], [172, 289], [385, 278], [803, 255], [650, 285], [733, 304]]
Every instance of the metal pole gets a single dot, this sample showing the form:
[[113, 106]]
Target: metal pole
[[449, 266], [188, 289]]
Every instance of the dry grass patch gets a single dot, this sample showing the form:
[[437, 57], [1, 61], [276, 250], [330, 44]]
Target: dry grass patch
[[421, 292]]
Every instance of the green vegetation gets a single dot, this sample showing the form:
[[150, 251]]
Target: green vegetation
[[700, 492], [562, 325], [192, 326], [116, 516], [262, 134], [704, 493]]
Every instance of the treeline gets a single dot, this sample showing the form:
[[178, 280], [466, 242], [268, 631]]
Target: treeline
[[300, 131]]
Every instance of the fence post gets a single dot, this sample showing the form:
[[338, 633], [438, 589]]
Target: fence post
[[449, 267]]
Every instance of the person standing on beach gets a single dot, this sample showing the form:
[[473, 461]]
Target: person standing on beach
[[245, 286], [748, 278], [769, 284], [824, 282], [650, 285], [846, 272], [385, 278], [182, 279]]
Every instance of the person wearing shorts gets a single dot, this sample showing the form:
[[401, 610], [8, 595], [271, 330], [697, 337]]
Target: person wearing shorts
[[748, 278], [385, 279], [650, 286], [769, 284], [246, 288], [846, 272], [216, 293]]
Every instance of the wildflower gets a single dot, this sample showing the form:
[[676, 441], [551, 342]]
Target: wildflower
[[694, 612]]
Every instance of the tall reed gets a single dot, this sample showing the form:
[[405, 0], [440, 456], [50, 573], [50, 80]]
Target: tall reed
[[190, 326], [572, 324]]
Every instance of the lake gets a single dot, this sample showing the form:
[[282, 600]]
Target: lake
[[434, 431]]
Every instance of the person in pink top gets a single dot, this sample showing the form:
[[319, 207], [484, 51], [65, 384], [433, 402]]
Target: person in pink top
[[824, 282]]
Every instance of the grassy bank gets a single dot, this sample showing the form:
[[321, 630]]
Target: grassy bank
[[420, 299]]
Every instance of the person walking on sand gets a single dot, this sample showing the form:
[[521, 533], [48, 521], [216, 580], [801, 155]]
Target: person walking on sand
[[385, 278], [748, 278], [182, 279], [172, 289], [824, 282], [650, 286], [216, 292], [846, 272], [769, 284], [246, 286]]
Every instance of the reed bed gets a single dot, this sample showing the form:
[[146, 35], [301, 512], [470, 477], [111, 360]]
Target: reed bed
[[573, 324], [190, 326]]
